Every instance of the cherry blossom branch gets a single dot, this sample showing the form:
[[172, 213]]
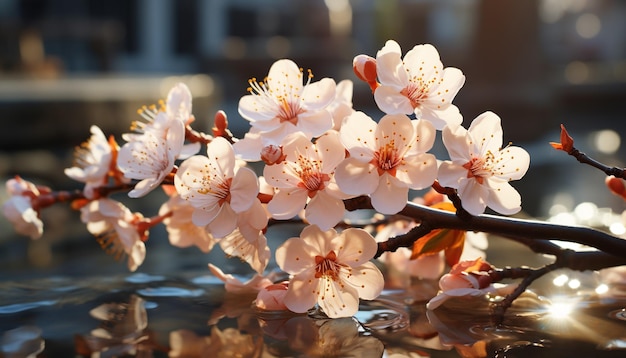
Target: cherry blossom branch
[[529, 276], [504, 226], [567, 145]]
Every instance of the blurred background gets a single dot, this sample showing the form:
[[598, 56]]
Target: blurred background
[[67, 64]]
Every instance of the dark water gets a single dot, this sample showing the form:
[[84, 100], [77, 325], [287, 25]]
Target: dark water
[[192, 316]]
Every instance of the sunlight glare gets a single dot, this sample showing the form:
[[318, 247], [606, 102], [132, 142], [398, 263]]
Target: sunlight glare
[[561, 309], [560, 280]]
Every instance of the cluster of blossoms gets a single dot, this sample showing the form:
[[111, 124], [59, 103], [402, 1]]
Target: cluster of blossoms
[[317, 152]]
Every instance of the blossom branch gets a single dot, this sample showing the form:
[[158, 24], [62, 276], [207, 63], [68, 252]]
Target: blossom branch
[[505, 226], [530, 275], [567, 145]]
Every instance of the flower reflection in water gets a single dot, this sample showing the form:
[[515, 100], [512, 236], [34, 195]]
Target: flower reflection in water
[[123, 330]]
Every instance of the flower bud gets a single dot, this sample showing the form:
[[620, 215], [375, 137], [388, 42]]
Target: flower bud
[[365, 69], [616, 186], [272, 297], [272, 154], [220, 123]]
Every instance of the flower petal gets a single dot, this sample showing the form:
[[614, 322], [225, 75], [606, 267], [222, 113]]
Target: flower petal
[[355, 177], [418, 171], [224, 223], [324, 210], [486, 132], [513, 163], [337, 299], [318, 95], [287, 203], [389, 67], [244, 189], [390, 196], [357, 135], [366, 279], [354, 247], [504, 199], [294, 256], [391, 101], [300, 297], [473, 196]]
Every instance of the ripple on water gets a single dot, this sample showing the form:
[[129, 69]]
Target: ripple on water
[[170, 292], [21, 307], [144, 278], [618, 314]]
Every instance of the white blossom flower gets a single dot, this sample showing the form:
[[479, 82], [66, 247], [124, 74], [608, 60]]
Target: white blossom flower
[[150, 154], [93, 162], [386, 159], [330, 269], [341, 107], [480, 169], [216, 188], [304, 178], [19, 210], [151, 157], [247, 241], [417, 83], [182, 232], [118, 230], [283, 104]]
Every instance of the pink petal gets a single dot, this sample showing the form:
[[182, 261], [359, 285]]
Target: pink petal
[[425, 135], [355, 177], [287, 203], [337, 299], [450, 174], [513, 164], [357, 135], [418, 171], [354, 247], [221, 151], [504, 199], [330, 150], [318, 95], [447, 115], [294, 256], [473, 196], [324, 210], [389, 67], [224, 223], [457, 142], [243, 190], [257, 108], [391, 101], [397, 130], [486, 132], [390, 196], [366, 279], [301, 294], [315, 122]]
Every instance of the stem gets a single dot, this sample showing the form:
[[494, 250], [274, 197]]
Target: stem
[[585, 159]]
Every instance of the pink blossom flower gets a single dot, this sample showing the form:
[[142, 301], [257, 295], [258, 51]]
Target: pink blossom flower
[[272, 297], [216, 188], [93, 162], [20, 210], [247, 241], [234, 285], [480, 169], [118, 230], [386, 159], [304, 178], [150, 155], [330, 269], [283, 104], [182, 232], [341, 107], [467, 278], [150, 158], [417, 83]]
